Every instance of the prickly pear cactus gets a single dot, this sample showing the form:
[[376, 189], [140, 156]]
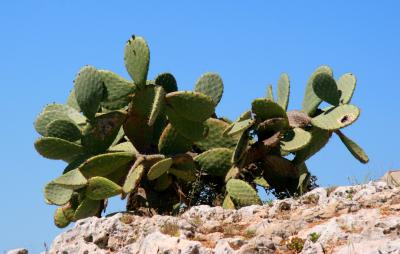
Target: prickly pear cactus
[[164, 149]]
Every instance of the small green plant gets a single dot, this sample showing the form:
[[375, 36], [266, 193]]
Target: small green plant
[[249, 233], [314, 237], [170, 228], [296, 244], [165, 150]]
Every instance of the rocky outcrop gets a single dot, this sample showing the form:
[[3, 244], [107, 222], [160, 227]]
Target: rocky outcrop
[[353, 219]]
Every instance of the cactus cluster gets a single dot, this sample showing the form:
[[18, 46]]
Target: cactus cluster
[[165, 149]]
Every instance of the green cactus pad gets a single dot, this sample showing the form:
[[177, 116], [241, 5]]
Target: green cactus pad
[[101, 133], [260, 181], [270, 93], [125, 147], [183, 174], [228, 203], [87, 208], [118, 90], [233, 173], [159, 168], [68, 211], [171, 142], [57, 112], [210, 84], [295, 140], [353, 147], [59, 218], [346, 84], [101, 188], [283, 91], [241, 147], [326, 89], [134, 176], [137, 59], [71, 101], [58, 149], [216, 162], [215, 137], [311, 101], [158, 105], [336, 118], [163, 182], [319, 138], [71, 180], [167, 81], [266, 109], [64, 129], [191, 130], [183, 162], [241, 124], [105, 164], [242, 193], [120, 137], [193, 106], [57, 194], [89, 90]]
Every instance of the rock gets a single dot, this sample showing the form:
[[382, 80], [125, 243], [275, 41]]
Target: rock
[[18, 251], [347, 219]]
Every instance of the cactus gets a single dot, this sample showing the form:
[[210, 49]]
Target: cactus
[[137, 59], [100, 188], [163, 149], [211, 85], [242, 193], [336, 118], [89, 91], [215, 162]]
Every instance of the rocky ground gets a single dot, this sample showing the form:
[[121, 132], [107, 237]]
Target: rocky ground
[[352, 219]]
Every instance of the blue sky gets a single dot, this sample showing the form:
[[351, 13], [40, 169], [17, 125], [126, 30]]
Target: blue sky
[[44, 43]]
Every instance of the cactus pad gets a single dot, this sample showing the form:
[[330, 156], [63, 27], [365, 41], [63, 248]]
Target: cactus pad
[[260, 181], [326, 89], [101, 133], [105, 164], [311, 101], [101, 188], [137, 59], [58, 149], [89, 90], [319, 138], [346, 84], [216, 162], [228, 203], [159, 168], [63, 129], [167, 81], [124, 147], [215, 137], [266, 109], [241, 147], [295, 140], [210, 84], [117, 90], [59, 218], [193, 106], [158, 105], [336, 118], [353, 147], [134, 176], [191, 130], [57, 194], [171, 142], [270, 93], [187, 175], [283, 91], [87, 208], [71, 180], [242, 193]]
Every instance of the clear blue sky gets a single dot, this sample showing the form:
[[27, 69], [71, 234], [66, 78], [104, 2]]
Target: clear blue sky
[[44, 43]]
